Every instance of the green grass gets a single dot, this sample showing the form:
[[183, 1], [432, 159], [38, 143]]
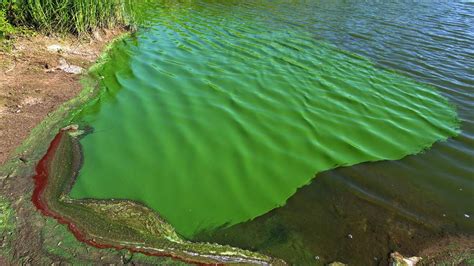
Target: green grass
[[6, 31], [6, 28], [64, 16], [6, 216]]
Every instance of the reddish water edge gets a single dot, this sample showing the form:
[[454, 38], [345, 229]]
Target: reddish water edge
[[41, 182]]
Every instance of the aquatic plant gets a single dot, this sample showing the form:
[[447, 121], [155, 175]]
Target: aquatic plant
[[74, 16]]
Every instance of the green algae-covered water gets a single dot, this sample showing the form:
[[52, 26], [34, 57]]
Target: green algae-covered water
[[214, 114]]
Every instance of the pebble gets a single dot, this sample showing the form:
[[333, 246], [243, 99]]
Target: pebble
[[97, 36], [71, 69], [55, 48]]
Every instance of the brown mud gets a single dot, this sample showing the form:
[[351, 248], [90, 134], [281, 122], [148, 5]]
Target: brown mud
[[32, 86]]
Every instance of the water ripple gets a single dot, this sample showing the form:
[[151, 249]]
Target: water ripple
[[221, 111]]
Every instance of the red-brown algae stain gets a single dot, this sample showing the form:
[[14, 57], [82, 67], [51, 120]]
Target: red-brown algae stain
[[41, 182]]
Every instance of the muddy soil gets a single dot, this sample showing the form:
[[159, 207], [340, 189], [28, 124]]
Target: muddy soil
[[32, 84]]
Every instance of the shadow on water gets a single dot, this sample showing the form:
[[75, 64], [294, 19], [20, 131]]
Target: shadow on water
[[359, 214], [403, 205]]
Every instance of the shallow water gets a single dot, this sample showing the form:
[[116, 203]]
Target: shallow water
[[214, 114]]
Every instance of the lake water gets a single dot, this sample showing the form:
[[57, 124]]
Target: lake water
[[227, 118]]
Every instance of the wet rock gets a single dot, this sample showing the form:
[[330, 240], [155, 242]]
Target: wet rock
[[73, 130], [72, 127], [396, 259]]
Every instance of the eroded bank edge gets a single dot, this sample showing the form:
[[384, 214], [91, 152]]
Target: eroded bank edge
[[118, 224]]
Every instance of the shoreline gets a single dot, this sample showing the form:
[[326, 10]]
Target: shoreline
[[33, 158], [22, 164], [51, 182], [24, 229]]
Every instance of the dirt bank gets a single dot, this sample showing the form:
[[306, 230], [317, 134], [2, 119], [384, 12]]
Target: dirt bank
[[32, 84]]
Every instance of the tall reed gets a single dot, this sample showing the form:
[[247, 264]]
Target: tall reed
[[75, 16]]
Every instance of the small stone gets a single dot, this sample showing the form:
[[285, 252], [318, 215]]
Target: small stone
[[97, 36], [71, 69], [55, 48], [73, 127]]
